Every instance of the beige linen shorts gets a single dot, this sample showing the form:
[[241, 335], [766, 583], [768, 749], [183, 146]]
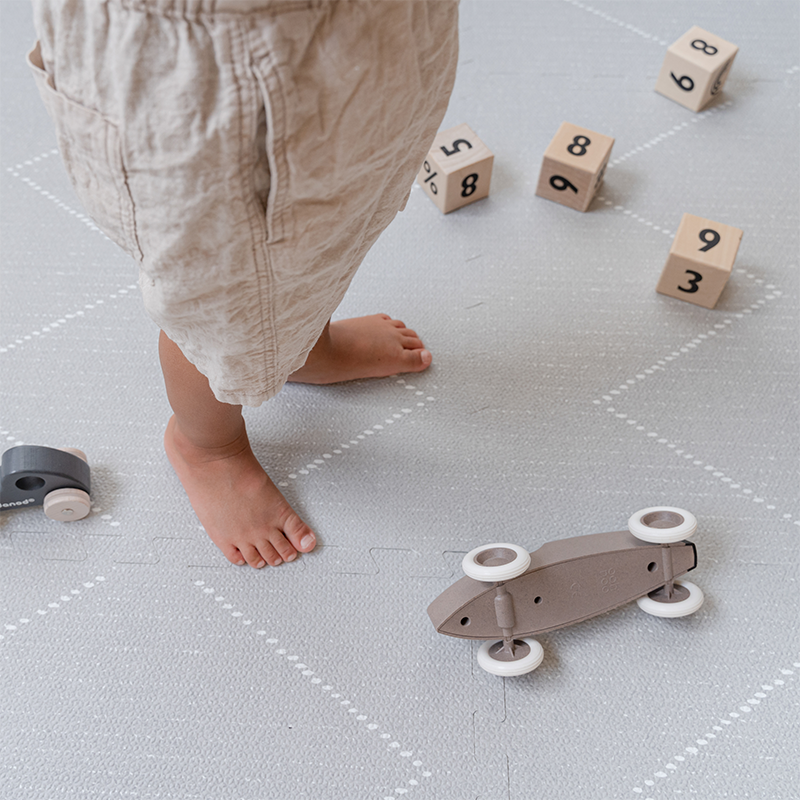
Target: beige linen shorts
[[247, 154]]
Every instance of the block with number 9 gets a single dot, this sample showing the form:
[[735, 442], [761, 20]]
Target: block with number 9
[[695, 68], [700, 261], [457, 169], [574, 165]]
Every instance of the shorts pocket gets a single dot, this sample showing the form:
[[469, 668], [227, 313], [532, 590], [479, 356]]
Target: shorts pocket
[[274, 150], [91, 149]]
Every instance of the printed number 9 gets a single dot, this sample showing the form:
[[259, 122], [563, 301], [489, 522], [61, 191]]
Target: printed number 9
[[563, 186], [685, 82], [709, 243]]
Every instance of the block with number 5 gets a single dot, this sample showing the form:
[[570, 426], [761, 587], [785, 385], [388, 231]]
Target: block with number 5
[[574, 165], [457, 169], [700, 261], [695, 68]]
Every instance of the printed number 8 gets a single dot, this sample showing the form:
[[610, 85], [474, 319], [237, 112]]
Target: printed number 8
[[468, 185], [708, 49], [581, 145]]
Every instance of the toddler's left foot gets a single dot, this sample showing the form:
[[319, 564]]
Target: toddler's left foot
[[363, 347]]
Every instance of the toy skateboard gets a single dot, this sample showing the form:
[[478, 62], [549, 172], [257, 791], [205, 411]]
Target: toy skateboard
[[509, 595], [58, 479]]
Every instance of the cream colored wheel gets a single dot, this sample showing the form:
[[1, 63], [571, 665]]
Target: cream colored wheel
[[529, 655], [76, 452], [494, 563], [662, 525], [66, 505], [682, 608]]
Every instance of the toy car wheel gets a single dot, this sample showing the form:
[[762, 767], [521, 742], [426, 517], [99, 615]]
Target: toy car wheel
[[529, 655], [66, 505], [658, 608], [493, 563], [662, 525]]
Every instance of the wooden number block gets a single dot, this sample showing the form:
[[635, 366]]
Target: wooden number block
[[695, 68], [573, 166], [700, 261], [457, 170]]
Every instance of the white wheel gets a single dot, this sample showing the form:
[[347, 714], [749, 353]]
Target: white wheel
[[66, 505], [76, 452], [671, 610], [493, 563], [662, 525], [530, 653]]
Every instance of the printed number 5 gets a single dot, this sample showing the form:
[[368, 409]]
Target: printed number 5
[[456, 147], [693, 287]]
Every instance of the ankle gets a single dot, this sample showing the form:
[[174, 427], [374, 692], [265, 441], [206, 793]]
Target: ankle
[[203, 447]]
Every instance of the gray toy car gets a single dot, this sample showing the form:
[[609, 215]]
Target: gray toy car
[[58, 479]]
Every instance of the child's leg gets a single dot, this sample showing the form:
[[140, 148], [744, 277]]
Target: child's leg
[[206, 442], [241, 509]]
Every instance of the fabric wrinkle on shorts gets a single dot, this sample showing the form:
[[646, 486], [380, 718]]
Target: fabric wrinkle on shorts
[[246, 154]]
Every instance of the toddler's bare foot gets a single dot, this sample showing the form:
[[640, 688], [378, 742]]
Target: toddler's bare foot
[[239, 506], [363, 347]]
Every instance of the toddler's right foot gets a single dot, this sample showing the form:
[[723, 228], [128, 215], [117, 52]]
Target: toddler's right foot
[[241, 509]]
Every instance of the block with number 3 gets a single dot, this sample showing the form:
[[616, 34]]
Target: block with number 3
[[457, 169], [695, 68], [574, 165], [700, 261]]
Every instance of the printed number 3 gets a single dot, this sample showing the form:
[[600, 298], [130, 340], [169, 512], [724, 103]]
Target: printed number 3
[[693, 287]]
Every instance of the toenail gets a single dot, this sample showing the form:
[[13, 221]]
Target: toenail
[[292, 557], [307, 540], [261, 564], [240, 563]]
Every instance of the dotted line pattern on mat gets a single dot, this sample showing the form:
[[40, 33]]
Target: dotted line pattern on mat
[[346, 705], [615, 21], [16, 171], [707, 739], [664, 136], [51, 326], [13, 629], [328, 458], [615, 394]]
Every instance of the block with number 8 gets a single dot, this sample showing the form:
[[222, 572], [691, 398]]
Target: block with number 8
[[695, 68], [574, 165], [457, 170], [700, 261]]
